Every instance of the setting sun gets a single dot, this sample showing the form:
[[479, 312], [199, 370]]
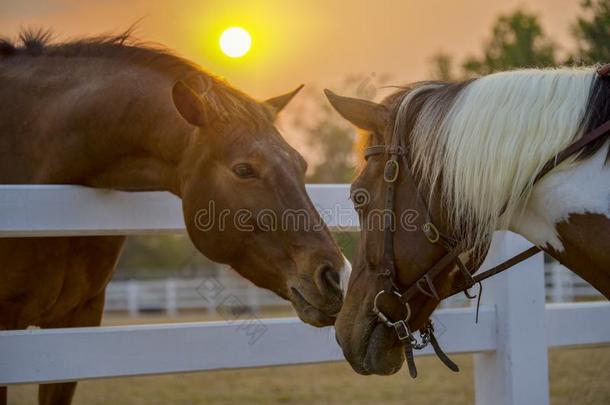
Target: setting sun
[[235, 42]]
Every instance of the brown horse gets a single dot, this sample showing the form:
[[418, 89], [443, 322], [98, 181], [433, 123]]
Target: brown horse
[[110, 113], [469, 154]]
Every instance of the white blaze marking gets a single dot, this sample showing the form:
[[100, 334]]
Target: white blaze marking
[[346, 272]]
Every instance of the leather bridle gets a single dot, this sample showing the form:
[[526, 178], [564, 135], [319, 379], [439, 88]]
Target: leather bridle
[[396, 157]]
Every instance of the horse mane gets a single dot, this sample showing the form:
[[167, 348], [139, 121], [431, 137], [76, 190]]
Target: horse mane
[[228, 102], [365, 138], [363, 141], [480, 143]]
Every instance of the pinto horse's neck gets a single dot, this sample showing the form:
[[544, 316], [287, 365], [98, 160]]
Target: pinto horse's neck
[[115, 130], [568, 215]]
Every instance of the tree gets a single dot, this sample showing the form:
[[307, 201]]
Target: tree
[[329, 137], [442, 67], [592, 33], [333, 141], [518, 40]]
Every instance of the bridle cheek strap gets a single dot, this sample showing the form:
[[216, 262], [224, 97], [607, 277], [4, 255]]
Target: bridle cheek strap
[[388, 271]]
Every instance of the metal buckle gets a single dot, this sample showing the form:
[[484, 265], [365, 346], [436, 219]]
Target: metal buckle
[[425, 336], [402, 330], [402, 327], [431, 232], [383, 318], [391, 170]]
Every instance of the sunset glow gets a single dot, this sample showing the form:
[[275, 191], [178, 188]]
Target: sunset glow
[[235, 42]]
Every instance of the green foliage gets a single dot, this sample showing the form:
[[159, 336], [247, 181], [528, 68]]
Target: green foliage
[[442, 67], [153, 256], [332, 140], [348, 243], [518, 40], [592, 33], [329, 137]]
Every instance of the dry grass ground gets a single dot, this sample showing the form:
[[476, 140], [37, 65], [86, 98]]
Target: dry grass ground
[[578, 376]]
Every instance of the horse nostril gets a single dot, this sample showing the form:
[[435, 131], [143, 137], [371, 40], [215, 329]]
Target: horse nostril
[[327, 278], [333, 278]]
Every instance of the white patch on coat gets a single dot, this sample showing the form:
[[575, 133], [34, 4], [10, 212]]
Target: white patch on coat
[[580, 188]]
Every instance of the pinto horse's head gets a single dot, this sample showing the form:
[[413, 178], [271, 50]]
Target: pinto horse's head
[[245, 204], [370, 346]]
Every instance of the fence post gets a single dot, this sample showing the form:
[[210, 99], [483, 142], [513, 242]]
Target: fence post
[[252, 297], [558, 279], [570, 279], [170, 298], [132, 298], [517, 372]]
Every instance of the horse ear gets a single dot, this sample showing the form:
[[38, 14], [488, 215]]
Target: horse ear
[[364, 114], [189, 104], [278, 103]]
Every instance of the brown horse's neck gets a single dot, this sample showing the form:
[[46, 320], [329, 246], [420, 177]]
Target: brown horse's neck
[[119, 130]]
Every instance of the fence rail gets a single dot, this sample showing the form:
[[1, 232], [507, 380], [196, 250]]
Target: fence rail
[[174, 294], [170, 295], [57, 210], [509, 343]]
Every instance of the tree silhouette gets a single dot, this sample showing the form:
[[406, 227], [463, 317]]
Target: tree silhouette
[[517, 41], [592, 33], [442, 67]]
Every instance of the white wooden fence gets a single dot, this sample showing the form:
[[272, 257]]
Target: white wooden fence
[[562, 285], [172, 295], [509, 343]]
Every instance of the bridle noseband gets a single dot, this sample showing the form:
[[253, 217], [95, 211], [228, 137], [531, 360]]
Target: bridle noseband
[[396, 156]]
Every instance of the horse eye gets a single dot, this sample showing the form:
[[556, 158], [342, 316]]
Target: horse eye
[[244, 170]]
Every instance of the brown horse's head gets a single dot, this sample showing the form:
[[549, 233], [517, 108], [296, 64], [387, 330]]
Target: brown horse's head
[[370, 346], [245, 203]]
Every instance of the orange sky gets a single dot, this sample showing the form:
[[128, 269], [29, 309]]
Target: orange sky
[[315, 41]]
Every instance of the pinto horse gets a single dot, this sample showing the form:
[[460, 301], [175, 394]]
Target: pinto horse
[[111, 113], [460, 161]]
